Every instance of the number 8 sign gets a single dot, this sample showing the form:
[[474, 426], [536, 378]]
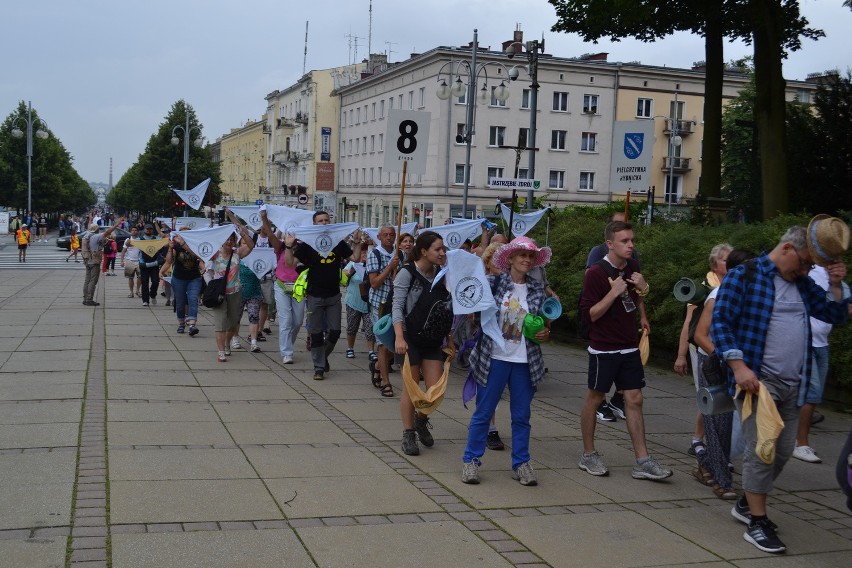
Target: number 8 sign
[[407, 139]]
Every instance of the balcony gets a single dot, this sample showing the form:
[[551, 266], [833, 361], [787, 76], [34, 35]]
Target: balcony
[[302, 118], [684, 127], [679, 165], [285, 123]]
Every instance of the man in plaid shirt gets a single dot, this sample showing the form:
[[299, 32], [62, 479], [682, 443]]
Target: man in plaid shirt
[[761, 330], [382, 264]]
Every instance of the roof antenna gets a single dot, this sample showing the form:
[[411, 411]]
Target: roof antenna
[[305, 58]]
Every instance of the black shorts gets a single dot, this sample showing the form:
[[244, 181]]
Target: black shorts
[[416, 354], [623, 369], [22, 247]]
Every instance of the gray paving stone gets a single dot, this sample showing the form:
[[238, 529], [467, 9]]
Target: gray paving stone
[[167, 433], [33, 552], [179, 464]]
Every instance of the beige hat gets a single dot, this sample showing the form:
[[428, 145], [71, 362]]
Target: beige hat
[[828, 239], [94, 228]]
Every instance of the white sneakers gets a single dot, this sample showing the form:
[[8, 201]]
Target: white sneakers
[[286, 360], [235, 343], [806, 453]]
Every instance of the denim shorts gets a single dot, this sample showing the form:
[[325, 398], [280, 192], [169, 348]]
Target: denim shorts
[[819, 371]]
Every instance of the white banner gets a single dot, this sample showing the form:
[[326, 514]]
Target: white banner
[[194, 197], [522, 223], [323, 238], [250, 214], [632, 151], [261, 260], [373, 232], [206, 242], [285, 218], [458, 232], [470, 291], [180, 222]]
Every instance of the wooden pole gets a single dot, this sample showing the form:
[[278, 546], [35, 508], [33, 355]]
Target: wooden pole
[[627, 207]]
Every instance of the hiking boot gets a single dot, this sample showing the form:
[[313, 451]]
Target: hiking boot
[[593, 463], [616, 404], [762, 534], [493, 441], [806, 453], [604, 413], [650, 470], [409, 443], [193, 330], [525, 474], [422, 427], [319, 375], [470, 472]]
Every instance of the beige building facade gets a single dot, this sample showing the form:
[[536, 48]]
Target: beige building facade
[[242, 162]]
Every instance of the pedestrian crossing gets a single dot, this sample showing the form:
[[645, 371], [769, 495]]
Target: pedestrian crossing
[[40, 256]]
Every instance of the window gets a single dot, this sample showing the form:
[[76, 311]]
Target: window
[[382, 108], [494, 101], [523, 173], [557, 179], [379, 171], [672, 188], [372, 171], [372, 143], [525, 98], [422, 97], [587, 181], [460, 133], [494, 172], [462, 100], [357, 146], [496, 135], [523, 137], [364, 144], [390, 103], [363, 175], [676, 112], [373, 109], [590, 104], [644, 108], [560, 101], [351, 116], [589, 142], [459, 179], [557, 139], [400, 102], [381, 142], [410, 100], [356, 176], [358, 115]]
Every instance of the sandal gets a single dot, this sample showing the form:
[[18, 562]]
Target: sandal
[[726, 494], [387, 390], [375, 375], [703, 476], [130, 295]]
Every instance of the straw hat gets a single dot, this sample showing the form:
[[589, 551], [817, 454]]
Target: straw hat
[[501, 257], [828, 239]]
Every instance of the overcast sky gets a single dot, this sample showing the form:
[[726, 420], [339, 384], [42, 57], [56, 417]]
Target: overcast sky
[[103, 74]]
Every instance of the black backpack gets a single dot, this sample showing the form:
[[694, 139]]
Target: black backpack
[[431, 318], [583, 324]]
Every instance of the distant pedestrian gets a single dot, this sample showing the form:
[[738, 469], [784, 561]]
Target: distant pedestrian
[[130, 264], [186, 270], [74, 245], [92, 251], [22, 237], [42, 228], [110, 252]]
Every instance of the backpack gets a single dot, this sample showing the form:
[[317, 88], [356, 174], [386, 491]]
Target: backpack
[[107, 246], [431, 318], [85, 252], [583, 324]]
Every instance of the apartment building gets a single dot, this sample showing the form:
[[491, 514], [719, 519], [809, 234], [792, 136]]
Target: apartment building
[[242, 159]]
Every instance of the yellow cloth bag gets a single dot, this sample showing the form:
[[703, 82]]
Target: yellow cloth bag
[[644, 348], [769, 423], [426, 402]]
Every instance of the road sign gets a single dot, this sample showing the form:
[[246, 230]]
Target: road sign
[[407, 141], [258, 202], [303, 198], [632, 151], [514, 183]]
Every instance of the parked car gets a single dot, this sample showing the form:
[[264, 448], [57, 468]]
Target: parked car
[[120, 235]]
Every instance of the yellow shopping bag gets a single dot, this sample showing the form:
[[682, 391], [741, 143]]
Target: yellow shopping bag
[[769, 423], [426, 402]]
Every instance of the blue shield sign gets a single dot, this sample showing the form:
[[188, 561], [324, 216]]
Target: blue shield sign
[[633, 143]]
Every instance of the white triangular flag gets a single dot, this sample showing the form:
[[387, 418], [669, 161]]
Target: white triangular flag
[[323, 238], [248, 213], [470, 291], [522, 223], [285, 218], [194, 197], [261, 260], [373, 232], [206, 242], [180, 222], [458, 232]]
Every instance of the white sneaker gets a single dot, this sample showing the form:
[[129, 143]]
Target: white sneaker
[[254, 347], [286, 360], [153, 300], [235, 344], [806, 453]]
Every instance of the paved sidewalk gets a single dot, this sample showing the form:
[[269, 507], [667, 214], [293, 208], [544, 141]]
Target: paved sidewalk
[[124, 444]]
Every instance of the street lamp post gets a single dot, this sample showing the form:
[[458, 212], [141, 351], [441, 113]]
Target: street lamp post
[[533, 48], [472, 71], [187, 133], [674, 142], [18, 133]]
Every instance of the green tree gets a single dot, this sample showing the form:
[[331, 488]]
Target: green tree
[[773, 25], [147, 185], [56, 185], [833, 141]]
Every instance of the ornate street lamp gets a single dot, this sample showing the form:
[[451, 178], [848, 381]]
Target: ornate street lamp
[[18, 133], [187, 134]]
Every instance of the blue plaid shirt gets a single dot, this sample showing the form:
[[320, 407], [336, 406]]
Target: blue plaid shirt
[[743, 309], [377, 261]]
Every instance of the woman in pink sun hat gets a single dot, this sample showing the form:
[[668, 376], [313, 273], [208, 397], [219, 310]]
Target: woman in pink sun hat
[[518, 364]]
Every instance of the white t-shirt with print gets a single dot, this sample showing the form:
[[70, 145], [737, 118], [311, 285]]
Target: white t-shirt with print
[[513, 310]]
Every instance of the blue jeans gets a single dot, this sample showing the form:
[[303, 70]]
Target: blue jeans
[[517, 376], [186, 294], [290, 316]]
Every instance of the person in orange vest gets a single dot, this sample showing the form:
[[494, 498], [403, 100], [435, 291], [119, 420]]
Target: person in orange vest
[[22, 235]]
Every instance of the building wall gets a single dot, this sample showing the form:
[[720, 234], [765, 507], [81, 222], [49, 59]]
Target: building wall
[[243, 163]]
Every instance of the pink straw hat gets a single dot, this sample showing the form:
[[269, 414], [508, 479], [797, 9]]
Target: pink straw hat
[[501, 257]]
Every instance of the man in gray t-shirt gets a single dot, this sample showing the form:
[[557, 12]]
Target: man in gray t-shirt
[[92, 256]]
